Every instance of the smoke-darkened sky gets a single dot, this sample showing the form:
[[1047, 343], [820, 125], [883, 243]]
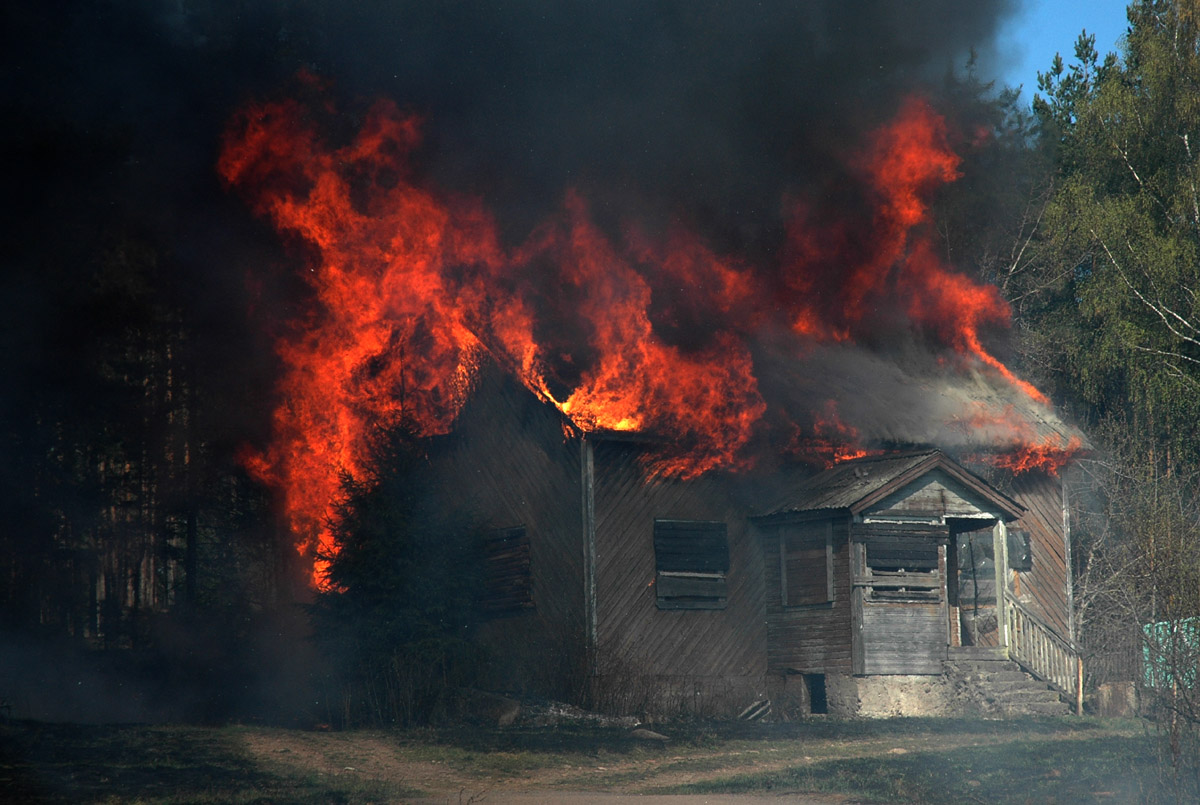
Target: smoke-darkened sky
[[710, 106], [705, 112]]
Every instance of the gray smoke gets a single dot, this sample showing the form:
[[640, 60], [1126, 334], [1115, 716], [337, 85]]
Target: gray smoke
[[905, 396]]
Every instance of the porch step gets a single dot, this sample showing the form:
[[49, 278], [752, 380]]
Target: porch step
[[967, 653], [1054, 708], [1006, 674], [999, 687]]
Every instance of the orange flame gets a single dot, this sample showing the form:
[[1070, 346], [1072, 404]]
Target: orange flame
[[897, 265], [1025, 451], [829, 440], [411, 289]]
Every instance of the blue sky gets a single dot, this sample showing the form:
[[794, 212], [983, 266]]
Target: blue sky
[[1041, 28]]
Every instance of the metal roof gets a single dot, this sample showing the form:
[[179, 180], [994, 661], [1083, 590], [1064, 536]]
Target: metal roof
[[856, 484]]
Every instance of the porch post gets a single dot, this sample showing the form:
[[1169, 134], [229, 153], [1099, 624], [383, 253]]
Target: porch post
[[1066, 518], [1000, 562]]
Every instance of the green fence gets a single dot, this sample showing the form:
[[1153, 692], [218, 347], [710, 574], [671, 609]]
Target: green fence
[[1170, 652]]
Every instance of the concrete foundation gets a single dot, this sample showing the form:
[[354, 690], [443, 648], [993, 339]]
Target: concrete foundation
[[890, 696]]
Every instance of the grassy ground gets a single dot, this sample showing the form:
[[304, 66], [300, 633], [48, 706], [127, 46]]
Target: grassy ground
[[1063, 760]]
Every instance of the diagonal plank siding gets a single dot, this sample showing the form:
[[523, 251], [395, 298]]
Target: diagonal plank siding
[[515, 467], [1044, 588], [723, 646]]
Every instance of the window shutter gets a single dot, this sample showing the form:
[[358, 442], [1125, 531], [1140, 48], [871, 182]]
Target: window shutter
[[691, 559], [806, 563], [508, 586]]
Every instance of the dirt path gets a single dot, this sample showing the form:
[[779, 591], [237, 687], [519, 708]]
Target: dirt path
[[357, 754], [609, 779], [429, 773]]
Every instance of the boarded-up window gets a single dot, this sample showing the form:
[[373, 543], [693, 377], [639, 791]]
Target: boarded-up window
[[691, 560], [508, 584], [903, 568], [914, 554], [806, 563]]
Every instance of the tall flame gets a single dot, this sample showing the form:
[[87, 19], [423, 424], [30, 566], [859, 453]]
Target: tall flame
[[412, 289]]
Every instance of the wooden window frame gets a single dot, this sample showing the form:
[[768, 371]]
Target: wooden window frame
[[1020, 550], [693, 583], [785, 552]]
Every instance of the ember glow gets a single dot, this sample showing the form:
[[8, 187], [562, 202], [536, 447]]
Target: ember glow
[[640, 332]]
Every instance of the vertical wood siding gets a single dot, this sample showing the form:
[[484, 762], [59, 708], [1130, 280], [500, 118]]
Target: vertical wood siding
[[811, 639]]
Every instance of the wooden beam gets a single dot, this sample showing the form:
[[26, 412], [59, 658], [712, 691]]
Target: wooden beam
[[857, 655], [1070, 575], [587, 470], [1000, 563], [829, 585]]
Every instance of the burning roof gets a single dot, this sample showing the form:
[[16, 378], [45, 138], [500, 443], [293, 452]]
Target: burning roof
[[637, 328]]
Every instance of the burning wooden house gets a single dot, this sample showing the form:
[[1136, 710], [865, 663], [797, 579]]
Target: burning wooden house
[[884, 585], [681, 579]]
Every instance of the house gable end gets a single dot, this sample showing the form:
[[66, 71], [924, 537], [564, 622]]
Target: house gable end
[[862, 485], [932, 497]]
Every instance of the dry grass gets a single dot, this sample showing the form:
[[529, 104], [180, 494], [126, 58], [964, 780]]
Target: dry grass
[[906, 760]]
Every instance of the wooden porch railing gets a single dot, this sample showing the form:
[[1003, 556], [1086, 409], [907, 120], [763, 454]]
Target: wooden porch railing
[[1040, 651]]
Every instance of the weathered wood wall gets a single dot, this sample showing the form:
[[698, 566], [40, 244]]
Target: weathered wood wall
[[1044, 588], [908, 638], [934, 495], [813, 639], [712, 648], [515, 467], [903, 636]]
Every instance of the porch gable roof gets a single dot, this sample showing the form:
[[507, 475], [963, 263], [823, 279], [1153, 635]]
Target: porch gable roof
[[858, 484]]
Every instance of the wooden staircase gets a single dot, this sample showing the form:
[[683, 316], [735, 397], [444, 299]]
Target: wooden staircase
[[997, 686]]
